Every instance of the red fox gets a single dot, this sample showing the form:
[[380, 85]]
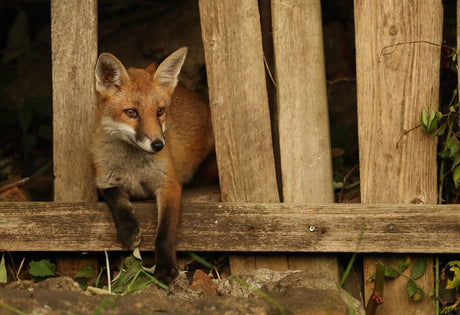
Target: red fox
[[150, 137]]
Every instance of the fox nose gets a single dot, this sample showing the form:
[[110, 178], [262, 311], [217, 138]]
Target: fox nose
[[157, 145]]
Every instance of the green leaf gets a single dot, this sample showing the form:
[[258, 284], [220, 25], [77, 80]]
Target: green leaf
[[453, 145], [456, 176], [87, 271], [46, 132], [131, 277], [18, 38], [413, 290], [391, 272], [455, 162], [403, 264], [432, 121], [455, 282], [443, 154], [454, 263], [3, 274], [424, 120], [419, 268], [201, 261], [440, 131], [42, 269], [429, 124], [438, 116]]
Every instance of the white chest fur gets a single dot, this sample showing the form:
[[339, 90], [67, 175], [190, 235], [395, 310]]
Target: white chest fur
[[122, 165]]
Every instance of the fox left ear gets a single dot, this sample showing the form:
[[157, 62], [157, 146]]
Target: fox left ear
[[168, 71], [109, 73]]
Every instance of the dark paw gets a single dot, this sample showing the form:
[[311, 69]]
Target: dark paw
[[166, 274], [129, 233]]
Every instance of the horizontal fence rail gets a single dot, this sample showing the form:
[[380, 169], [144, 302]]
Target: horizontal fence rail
[[216, 226]]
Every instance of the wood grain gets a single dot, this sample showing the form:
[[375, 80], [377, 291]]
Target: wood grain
[[238, 96], [231, 227], [74, 53], [305, 150], [306, 164], [232, 41], [397, 76]]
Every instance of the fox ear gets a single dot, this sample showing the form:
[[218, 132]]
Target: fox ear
[[168, 71], [109, 73]]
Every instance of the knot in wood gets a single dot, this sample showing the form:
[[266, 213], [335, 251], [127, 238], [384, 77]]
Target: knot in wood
[[393, 30]]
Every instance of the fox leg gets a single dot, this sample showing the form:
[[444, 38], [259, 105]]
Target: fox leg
[[169, 205], [123, 215]]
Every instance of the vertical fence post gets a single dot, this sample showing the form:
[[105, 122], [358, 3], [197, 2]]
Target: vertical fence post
[[239, 106], [74, 53], [397, 75], [305, 152]]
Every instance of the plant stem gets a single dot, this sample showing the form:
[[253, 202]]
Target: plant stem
[[441, 181], [131, 283], [12, 309], [156, 281], [441, 167], [436, 286], [108, 271], [376, 298]]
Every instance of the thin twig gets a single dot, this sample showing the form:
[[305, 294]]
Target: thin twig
[[454, 50], [270, 73], [345, 181], [108, 271], [15, 184], [20, 267], [405, 133], [342, 79]]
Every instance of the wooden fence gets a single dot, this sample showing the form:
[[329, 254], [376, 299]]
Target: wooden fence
[[397, 75]]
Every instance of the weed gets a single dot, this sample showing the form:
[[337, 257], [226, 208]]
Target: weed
[[12, 309], [42, 269], [446, 128], [3, 275]]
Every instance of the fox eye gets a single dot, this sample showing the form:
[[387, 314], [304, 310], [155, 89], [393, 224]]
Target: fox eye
[[160, 111], [131, 113]]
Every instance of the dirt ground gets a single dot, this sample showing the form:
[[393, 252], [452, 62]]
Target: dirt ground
[[291, 292]]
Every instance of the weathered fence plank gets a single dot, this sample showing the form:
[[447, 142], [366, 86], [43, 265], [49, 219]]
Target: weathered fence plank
[[397, 75], [232, 41], [216, 226], [238, 97], [74, 53], [305, 150], [306, 164]]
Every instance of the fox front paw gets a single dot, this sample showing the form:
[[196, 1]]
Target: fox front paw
[[129, 233], [166, 274]]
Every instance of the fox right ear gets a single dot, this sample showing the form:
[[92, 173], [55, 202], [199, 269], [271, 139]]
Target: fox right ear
[[109, 73], [168, 71]]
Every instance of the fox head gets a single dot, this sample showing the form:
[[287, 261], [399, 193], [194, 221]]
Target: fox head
[[133, 103]]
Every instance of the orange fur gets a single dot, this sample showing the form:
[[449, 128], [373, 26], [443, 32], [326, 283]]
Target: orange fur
[[150, 138]]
